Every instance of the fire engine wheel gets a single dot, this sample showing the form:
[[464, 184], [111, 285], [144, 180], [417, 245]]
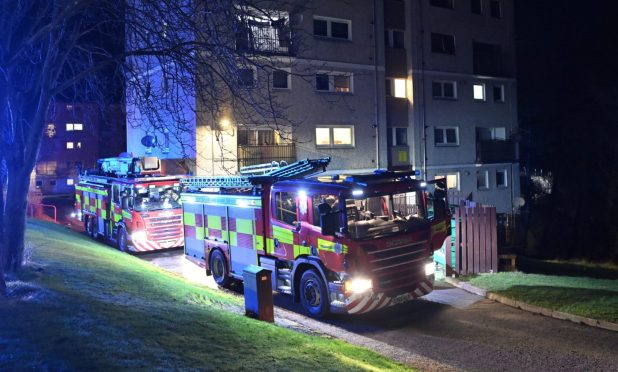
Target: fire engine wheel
[[313, 294], [122, 240], [218, 268]]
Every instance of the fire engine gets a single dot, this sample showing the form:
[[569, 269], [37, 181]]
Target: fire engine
[[129, 202], [339, 244]]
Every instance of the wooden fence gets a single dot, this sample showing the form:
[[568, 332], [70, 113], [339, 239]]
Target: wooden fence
[[475, 244]]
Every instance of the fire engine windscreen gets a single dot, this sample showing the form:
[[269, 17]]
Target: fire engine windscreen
[[156, 198], [385, 215]]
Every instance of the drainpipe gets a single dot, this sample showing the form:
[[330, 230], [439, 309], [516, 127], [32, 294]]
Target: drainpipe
[[423, 108], [376, 100]]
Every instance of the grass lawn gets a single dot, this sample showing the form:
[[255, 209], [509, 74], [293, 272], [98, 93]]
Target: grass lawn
[[589, 297], [84, 306]]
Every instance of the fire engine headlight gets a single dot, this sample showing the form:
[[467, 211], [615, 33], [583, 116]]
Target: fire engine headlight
[[430, 268], [358, 285], [138, 236]]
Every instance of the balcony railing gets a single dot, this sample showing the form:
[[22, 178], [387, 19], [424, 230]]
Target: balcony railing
[[495, 152], [263, 38], [260, 154]]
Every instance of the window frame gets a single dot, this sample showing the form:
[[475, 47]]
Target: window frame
[[445, 143], [389, 38], [442, 96], [482, 85], [331, 81], [451, 174], [331, 138], [506, 181], [481, 173], [276, 209], [442, 50], [329, 28], [502, 93], [288, 72]]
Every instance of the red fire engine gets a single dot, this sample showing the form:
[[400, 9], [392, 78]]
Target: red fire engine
[[336, 244], [127, 201]]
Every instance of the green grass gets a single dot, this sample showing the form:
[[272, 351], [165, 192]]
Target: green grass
[[588, 297], [84, 306]]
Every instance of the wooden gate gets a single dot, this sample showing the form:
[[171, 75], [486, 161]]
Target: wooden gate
[[475, 244]]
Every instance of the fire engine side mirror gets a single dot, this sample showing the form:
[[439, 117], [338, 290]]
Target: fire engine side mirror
[[329, 223], [126, 202]]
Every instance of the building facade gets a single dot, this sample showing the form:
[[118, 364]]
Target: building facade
[[377, 84], [76, 135]]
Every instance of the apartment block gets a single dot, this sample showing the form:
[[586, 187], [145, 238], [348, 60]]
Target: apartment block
[[378, 84]]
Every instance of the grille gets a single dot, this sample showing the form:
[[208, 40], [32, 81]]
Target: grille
[[397, 269], [161, 229]]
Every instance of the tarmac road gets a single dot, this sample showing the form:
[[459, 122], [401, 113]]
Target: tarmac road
[[459, 330]]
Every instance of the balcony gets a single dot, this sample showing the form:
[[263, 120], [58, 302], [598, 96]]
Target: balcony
[[261, 154], [265, 38], [496, 151]]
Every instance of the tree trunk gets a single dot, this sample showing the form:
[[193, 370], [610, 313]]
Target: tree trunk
[[15, 218]]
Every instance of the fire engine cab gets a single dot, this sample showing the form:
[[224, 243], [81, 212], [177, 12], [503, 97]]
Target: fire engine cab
[[129, 202], [336, 244]]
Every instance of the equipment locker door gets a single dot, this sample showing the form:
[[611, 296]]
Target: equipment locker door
[[242, 232]]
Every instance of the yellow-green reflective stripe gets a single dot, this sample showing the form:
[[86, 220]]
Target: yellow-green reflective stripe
[[99, 203], [188, 218], [86, 199], [299, 249], [326, 245], [127, 215], [199, 233], [89, 189], [103, 213], [117, 217], [233, 238], [244, 226], [78, 198], [284, 235], [257, 242], [214, 222]]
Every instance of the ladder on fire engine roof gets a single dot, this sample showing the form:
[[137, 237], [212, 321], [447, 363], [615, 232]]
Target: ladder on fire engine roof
[[299, 169]]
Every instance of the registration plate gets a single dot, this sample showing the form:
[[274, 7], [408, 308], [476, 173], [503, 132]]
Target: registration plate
[[401, 298]]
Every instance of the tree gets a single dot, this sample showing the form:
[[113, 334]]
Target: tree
[[167, 53]]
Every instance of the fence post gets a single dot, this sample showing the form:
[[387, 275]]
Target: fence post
[[464, 239], [494, 240], [483, 239]]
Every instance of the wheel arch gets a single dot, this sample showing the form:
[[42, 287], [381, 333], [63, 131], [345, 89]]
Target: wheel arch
[[303, 264]]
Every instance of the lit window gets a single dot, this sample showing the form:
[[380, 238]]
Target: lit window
[[79, 145], [333, 82], [446, 136], [499, 93], [444, 89], [479, 92], [70, 182], [70, 145], [51, 130], [69, 127], [332, 27], [482, 180], [334, 136], [452, 180], [396, 88], [501, 180], [78, 126], [281, 79]]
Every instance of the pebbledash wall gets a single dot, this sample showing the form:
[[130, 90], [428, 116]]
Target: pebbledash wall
[[413, 68]]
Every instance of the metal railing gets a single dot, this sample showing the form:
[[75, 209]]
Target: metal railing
[[37, 210], [262, 38], [259, 154]]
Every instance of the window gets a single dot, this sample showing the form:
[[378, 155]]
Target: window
[[166, 141], [487, 59], [69, 107], [394, 39], [281, 79], [334, 136], [285, 207], [479, 92], [441, 43], [259, 137], [52, 182], [452, 180], [477, 6], [246, 77], [482, 180], [444, 89], [396, 88], [499, 93], [74, 126], [78, 145], [51, 130], [331, 200], [491, 134], [332, 27], [39, 184], [495, 9], [70, 182], [446, 136], [333, 82], [46, 168], [501, 180], [70, 145], [401, 136], [450, 4]]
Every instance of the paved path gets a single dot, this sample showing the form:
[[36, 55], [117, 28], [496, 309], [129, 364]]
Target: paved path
[[459, 330]]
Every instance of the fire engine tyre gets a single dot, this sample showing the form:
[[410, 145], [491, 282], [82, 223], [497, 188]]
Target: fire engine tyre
[[122, 240], [313, 294], [218, 268]]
